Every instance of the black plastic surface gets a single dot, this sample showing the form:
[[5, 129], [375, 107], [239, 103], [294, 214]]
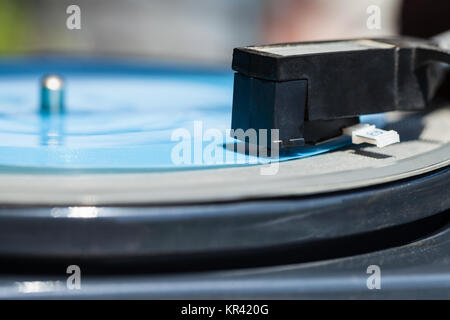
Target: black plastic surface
[[400, 74], [170, 233]]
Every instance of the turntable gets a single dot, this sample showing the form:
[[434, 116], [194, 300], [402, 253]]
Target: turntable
[[129, 170]]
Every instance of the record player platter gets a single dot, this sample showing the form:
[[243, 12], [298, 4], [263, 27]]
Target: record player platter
[[134, 133], [124, 168]]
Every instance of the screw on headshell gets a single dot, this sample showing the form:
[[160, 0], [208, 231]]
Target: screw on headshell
[[52, 94]]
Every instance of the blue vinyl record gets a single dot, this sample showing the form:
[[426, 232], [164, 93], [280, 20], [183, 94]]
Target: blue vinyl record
[[122, 115]]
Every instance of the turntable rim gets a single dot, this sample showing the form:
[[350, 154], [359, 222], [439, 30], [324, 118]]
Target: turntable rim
[[202, 186]]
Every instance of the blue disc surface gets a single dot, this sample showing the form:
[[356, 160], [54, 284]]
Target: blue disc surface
[[124, 115]]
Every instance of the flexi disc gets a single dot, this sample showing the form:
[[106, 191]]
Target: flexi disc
[[122, 117], [114, 143]]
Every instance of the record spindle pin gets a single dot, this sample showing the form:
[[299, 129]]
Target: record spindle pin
[[52, 94]]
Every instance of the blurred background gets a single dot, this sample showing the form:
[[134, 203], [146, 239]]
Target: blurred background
[[204, 30]]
